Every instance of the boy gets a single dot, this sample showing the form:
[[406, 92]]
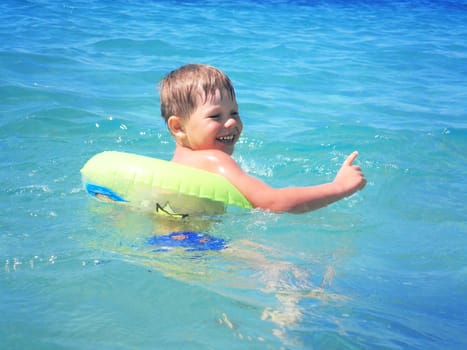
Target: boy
[[199, 106]]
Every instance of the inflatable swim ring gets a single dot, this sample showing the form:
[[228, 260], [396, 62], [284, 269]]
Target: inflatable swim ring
[[158, 186]]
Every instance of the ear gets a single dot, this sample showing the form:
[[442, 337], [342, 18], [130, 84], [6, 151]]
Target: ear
[[175, 125]]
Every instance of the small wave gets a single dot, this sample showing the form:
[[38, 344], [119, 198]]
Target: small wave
[[135, 47]]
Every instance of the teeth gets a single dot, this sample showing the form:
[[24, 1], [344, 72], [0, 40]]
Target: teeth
[[226, 139]]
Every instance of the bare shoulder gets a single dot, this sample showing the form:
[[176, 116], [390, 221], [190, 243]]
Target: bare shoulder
[[214, 161], [218, 162]]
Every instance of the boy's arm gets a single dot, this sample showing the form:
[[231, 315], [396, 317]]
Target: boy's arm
[[348, 180]]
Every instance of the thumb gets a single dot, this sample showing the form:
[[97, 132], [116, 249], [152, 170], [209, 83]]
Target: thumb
[[351, 158]]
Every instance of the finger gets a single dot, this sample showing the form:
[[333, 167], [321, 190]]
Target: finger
[[357, 168], [351, 158]]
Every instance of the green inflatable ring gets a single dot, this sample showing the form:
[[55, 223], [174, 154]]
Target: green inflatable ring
[[158, 186]]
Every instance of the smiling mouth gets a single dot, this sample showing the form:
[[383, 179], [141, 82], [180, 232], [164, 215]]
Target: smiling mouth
[[229, 139]]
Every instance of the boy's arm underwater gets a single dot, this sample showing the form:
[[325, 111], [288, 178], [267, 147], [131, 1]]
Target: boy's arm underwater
[[349, 179]]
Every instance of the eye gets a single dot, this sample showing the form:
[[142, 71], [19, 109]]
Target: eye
[[215, 116]]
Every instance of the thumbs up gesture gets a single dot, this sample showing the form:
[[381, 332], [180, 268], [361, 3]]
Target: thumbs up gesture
[[350, 178]]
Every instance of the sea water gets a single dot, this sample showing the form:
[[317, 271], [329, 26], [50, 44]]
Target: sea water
[[315, 80]]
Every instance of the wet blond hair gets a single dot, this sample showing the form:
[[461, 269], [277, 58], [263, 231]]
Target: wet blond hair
[[182, 89]]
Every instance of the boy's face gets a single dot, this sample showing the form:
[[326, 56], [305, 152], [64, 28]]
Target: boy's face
[[215, 124]]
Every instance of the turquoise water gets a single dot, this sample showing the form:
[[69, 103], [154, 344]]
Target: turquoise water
[[384, 269]]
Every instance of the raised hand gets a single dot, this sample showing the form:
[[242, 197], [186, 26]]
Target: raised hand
[[350, 178]]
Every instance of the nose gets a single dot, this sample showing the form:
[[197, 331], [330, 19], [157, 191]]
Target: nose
[[230, 122]]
